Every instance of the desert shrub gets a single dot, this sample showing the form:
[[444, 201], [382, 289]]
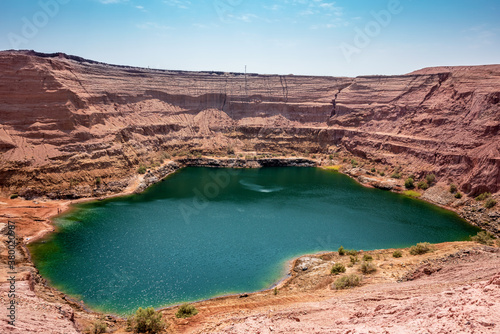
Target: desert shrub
[[353, 259], [330, 157], [354, 162], [420, 248], [275, 291], [430, 178], [341, 250], [373, 170], [146, 321], [14, 196], [97, 327], [367, 267], [458, 195], [346, 282], [186, 311], [337, 269], [396, 175], [453, 188], [142, 169], [490, 202], [351, 252], [409, 183], [397, 253], [484, 237], [98, 181], [382, 173], [483, 196], [423, 185], [367, 258]]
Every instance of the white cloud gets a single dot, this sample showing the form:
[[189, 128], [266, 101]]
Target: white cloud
[[107, 2], [153, 25], [273, 7], [481, 35], [244, 17], [182, 4]]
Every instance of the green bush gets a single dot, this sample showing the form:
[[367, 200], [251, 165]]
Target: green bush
[[337, 269], [354, 162], [483, 196], [97, 327], [458, 195], [490, 202], [341, 250], [367, 267], [373, 170], [142, 169], [14, 196], [409, 183], [396, 175], [346, 282], [146, 321], [420, 248], [351, 252], [484, 237], [367, 258], [423, 185], [275, 291], [186, 311], [453, 188], [354, 259], [430, 179], [382, 173], [98, 181], [397, 253], [330, 157]]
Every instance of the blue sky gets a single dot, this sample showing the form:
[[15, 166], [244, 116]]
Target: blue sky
[[318, 37]]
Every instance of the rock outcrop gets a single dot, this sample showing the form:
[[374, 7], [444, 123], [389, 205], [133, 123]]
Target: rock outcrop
[[66, 122]]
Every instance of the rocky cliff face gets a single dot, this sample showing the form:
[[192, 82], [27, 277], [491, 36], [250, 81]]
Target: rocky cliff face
[[66, 121]]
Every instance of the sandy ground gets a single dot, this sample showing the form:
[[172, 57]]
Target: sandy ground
[[462, 297]]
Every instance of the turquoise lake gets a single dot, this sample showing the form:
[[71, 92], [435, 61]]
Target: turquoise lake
[[206, 232]]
